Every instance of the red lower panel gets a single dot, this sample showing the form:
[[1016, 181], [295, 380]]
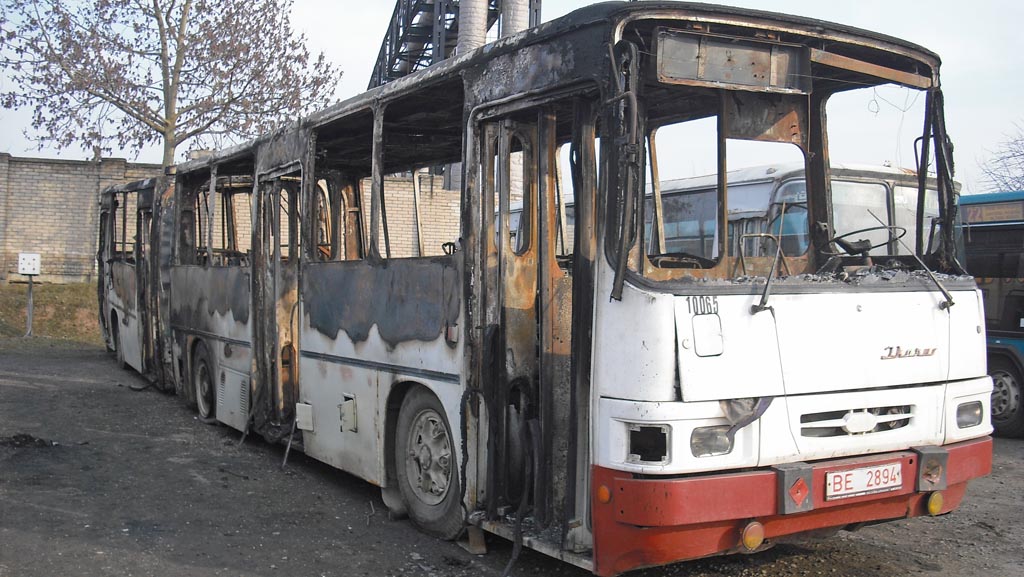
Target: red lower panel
[[652, 522]]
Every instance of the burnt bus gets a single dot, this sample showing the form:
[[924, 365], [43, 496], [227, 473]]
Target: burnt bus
[[617, 401]]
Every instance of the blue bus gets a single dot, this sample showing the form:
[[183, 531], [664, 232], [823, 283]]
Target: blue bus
[[993, 231]]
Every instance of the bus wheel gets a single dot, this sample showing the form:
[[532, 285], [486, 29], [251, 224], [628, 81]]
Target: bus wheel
[[202, 379], [115, 338], [425, 466], [1007, 404]]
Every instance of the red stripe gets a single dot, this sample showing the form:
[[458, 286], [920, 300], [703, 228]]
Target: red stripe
[[653, 522]]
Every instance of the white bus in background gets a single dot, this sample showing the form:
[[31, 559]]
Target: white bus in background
[[768, 208]]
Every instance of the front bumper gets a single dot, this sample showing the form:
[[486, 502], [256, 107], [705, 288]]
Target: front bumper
[[650, 522]]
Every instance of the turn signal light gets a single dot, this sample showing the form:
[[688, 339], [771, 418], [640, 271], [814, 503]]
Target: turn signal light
[[604, 495], [935, 503], [752, 536]]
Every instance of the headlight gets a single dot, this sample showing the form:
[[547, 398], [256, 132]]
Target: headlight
[[969, 414], [710, 441], [649, 443]]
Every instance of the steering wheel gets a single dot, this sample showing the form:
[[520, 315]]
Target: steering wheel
[[862, 246]]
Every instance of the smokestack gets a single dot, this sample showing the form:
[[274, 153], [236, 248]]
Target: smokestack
[[515, 16], [472, 25]]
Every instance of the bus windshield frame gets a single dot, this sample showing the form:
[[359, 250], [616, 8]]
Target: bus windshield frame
[[791, 113]]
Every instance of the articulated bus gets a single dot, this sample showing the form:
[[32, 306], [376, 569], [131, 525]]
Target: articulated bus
[[618, 399], [993, 231]]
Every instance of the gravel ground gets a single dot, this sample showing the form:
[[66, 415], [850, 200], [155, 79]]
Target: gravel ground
[[98, 479]]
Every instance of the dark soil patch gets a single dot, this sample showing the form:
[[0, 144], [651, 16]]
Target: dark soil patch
[[23, 441]]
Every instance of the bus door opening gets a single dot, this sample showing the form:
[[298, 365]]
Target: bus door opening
[[275, 295]]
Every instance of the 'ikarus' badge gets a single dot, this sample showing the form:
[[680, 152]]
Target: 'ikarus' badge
[[890, 353]]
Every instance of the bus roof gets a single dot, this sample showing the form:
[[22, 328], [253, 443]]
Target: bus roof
[[133, 186], [990, 197], [438, 77]]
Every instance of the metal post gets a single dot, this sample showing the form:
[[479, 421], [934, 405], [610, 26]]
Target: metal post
[[28, 314], [416, 206]]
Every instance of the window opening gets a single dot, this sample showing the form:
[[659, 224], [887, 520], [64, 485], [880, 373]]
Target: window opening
[[888, 117], [125, 231], [684, 154]]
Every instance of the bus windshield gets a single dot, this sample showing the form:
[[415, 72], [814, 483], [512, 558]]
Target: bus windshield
[[709, 203]]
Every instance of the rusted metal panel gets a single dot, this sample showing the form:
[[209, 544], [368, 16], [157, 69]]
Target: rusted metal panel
[[876, 70], [767, 117], [736, 63]]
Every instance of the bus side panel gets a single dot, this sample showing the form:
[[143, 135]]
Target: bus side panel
[[212, 304], [124, 299], [365, 329], [103, 269]]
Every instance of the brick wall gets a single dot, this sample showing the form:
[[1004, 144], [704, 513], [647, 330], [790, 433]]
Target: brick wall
[[439, 214], [51, 207]]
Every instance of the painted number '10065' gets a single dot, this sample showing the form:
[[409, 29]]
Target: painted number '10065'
[[702, 305]]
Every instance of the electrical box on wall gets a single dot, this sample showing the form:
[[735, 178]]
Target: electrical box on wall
[[28, 263]]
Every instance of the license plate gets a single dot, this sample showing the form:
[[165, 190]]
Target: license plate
[[865, 481]]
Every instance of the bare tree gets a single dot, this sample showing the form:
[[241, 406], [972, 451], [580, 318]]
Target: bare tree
[[1005, 170], [137, 72]]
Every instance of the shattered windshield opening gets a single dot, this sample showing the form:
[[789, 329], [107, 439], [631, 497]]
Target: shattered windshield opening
[[879, 127], [692, 220], [661, 230]]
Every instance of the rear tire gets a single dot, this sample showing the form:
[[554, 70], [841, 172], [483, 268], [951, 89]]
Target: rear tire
[[1007, 398], [425, 466], [203, 381]]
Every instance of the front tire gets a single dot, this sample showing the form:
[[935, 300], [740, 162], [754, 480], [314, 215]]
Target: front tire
[[202, 380], [1007, 398], [425, 466]]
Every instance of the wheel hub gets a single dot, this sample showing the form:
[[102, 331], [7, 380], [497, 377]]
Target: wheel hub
[[1005, 395], [428, 465], [424, 458], [204, 390]]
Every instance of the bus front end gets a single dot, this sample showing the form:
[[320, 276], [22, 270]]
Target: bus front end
[[836, 408], [834, 377]]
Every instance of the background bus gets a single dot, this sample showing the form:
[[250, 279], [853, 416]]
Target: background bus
[[758, 195], [993, 226]]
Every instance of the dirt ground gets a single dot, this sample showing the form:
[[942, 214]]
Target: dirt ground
[[98, 479]]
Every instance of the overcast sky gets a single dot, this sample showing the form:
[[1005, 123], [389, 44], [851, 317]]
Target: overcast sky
[[981, 44]]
